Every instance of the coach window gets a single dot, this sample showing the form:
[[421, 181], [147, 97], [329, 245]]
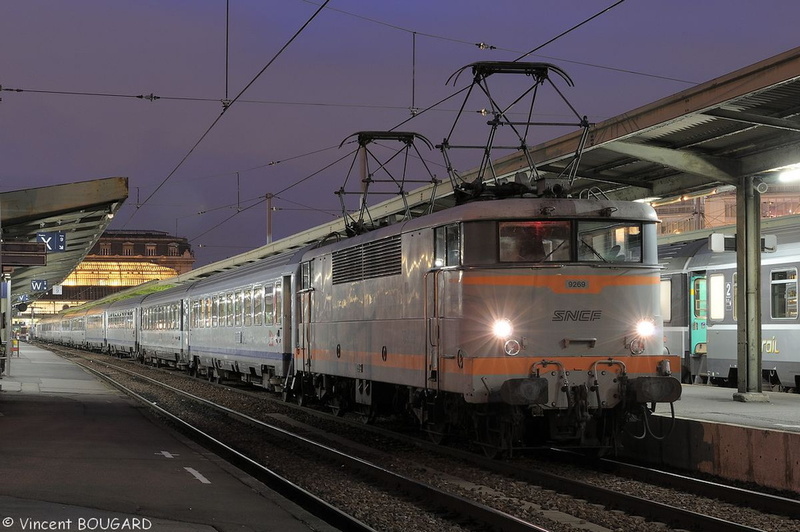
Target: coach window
[[269, 308], [229, 309], [783, 293], [224, 311], [447, 249], [666, 299], [258, 305], [699, 298], [716, 296], [277, 307], [237, 308], [215, 311], [207, 312], [195, 320], [248, 307]]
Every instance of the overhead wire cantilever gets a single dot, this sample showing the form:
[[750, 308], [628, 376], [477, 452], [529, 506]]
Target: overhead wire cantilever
[[390, 171], [541, 74]]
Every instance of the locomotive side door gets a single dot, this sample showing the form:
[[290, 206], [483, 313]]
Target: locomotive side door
[[447, 257], [432, 315], [698, 315]]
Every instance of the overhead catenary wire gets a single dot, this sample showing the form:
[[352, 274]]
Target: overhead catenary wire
[[417, 113], [414, 33], [576, 26], [152, 97], [228, 106], [275, 195]]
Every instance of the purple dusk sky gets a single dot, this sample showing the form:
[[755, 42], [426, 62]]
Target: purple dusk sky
[[80, 64]]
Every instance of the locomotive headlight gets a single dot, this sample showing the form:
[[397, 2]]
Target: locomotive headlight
[[645, 328], [502, 329]]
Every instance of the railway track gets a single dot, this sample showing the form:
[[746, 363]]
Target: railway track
[[464, 513], [516, 486]]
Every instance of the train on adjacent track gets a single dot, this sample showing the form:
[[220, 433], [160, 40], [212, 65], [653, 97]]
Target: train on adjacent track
[[513, 322], [699, 307]]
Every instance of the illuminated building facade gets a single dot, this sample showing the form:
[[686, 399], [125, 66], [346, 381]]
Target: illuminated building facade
[[119, 260]]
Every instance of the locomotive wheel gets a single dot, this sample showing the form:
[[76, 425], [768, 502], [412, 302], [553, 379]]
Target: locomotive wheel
[[286, 395], [368, 413], [338, 406], [437, 432], [493, 434]]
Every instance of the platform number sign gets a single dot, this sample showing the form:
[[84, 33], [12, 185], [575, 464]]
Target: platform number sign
[[39, 285], [55, 241]]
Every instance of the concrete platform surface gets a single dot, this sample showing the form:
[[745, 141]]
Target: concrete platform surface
[[780, 412], [78, 455]]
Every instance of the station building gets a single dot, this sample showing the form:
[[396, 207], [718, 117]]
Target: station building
[[118, 260]]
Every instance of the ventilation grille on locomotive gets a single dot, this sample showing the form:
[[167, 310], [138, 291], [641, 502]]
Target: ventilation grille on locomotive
[[368, 261]]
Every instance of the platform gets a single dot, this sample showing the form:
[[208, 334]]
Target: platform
[[780, 412], [75, 453], [754, 442]]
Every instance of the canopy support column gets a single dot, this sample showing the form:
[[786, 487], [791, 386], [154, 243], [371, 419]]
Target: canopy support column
[[748, 264]]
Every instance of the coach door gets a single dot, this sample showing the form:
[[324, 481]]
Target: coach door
[[184, 310], [698, 316], [304, 301]]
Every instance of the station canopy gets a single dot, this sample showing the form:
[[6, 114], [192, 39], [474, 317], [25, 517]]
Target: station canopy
[[68, 219], [713, 135]]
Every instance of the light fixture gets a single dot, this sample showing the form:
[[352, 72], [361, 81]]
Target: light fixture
[[790, 174], [649, 199], [502, 328]]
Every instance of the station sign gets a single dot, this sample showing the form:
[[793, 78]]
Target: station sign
[[55, 241], [39, 285], [23, 254]]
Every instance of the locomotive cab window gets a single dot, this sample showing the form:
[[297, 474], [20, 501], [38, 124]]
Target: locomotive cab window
[[602, 241], [306, 275], [783, 293], [448, 246], [539, 241]]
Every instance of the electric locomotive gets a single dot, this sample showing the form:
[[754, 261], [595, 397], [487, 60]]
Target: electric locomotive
[[520, 322]]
